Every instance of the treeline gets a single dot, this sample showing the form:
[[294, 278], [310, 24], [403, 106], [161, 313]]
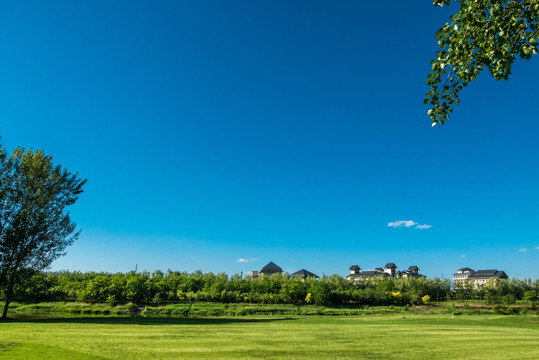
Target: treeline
[[159, 288]]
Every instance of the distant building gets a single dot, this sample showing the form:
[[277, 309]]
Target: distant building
[[413, 271], [270, 269], [389, 271], [461, 276], [303, 274], [478, 278], [354, 269], [253, 274], [356, 273]]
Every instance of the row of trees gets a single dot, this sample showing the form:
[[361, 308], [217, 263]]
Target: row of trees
[[158, 288]]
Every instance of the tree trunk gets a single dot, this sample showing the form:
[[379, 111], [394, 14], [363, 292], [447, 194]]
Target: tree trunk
[[2, 278], [5, 269], [9, 293]]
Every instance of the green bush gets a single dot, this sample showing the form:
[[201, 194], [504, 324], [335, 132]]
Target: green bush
[[158, 288], [511, 310]]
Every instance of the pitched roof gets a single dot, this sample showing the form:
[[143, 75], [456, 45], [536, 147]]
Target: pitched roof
[[303, 273], [355, 267], [271, 267], [368, 273], [492, 273], [412, 273], [466, 269], [391, 266], [413, 268]]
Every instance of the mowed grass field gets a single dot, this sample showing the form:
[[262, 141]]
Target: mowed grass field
[[308, 337]]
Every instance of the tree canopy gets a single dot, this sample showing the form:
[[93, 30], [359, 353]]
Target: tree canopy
[[482, 34], [35, 226]]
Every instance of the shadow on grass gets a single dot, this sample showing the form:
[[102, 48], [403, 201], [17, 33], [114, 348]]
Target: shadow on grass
[[139, 320]]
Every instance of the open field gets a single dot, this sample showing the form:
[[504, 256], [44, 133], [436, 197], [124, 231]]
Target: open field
[[340, 337]]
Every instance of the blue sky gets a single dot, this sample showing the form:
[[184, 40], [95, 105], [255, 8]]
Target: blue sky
[[292, 132]]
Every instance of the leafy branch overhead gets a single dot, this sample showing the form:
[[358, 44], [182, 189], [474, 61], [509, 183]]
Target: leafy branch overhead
[[482, 34]]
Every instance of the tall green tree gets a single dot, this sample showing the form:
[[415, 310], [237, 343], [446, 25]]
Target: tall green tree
[[483, 34], [35, 226]]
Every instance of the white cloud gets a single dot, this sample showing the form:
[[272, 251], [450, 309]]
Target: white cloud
[[408, 223], [242, 260], [463, 256], [523, 250], [537, 248], [401, 223]]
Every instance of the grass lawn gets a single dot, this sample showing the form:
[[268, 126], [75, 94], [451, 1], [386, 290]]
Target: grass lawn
[[271, 337]]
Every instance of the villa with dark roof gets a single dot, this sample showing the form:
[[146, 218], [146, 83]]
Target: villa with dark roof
[[389, 271], [303, 274], [478, 278], [270, 269]]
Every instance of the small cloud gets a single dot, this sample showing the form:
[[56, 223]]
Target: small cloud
[[242, 260], [253, 259], [401, 223], [462, 256], [537, 248], [408, 223], [523, 250]]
